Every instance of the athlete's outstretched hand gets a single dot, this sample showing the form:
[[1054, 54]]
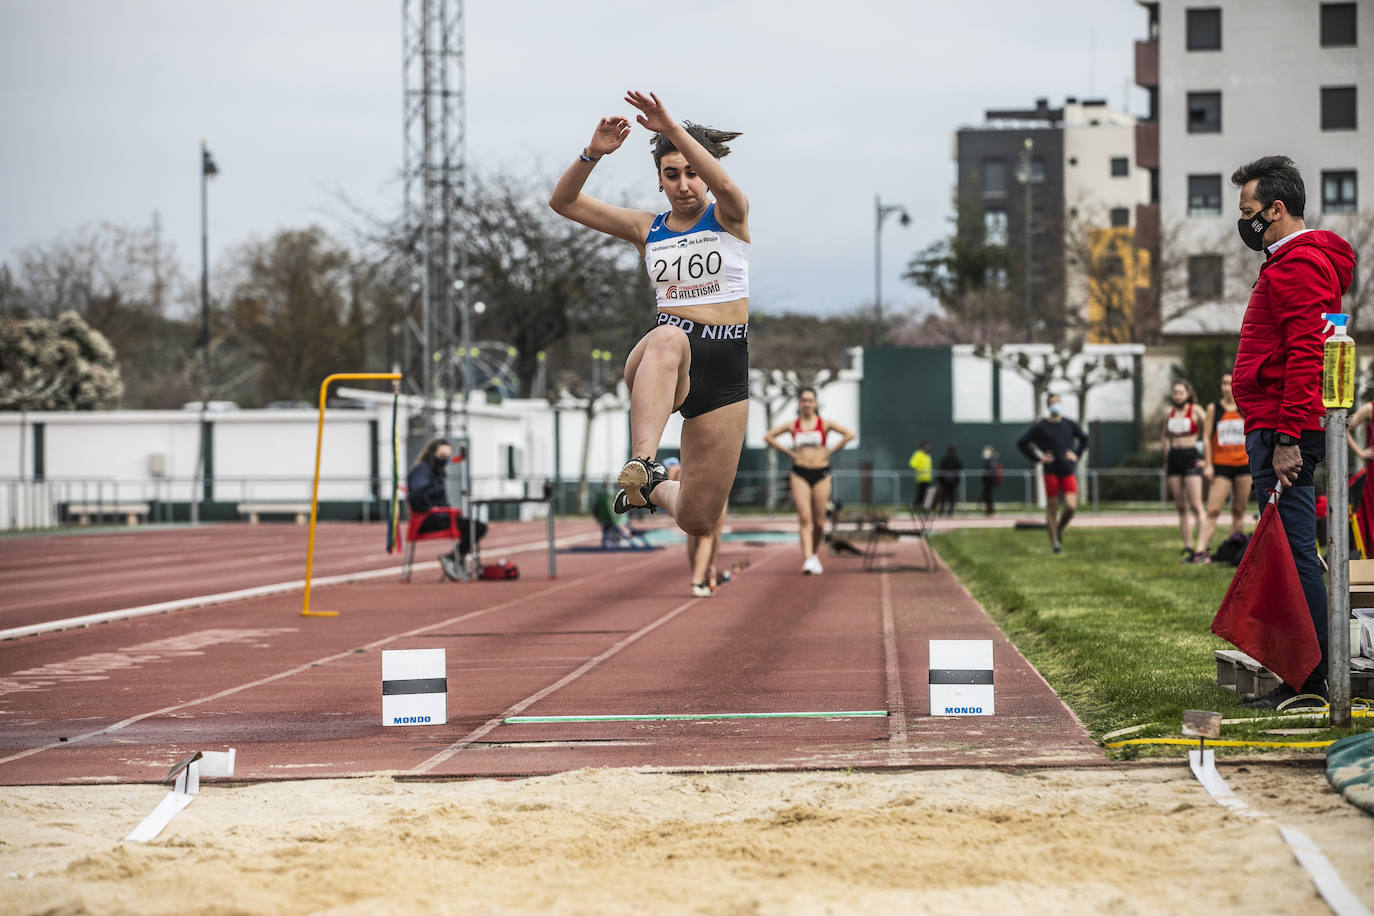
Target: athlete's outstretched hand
[[653, 115], [609, 134]]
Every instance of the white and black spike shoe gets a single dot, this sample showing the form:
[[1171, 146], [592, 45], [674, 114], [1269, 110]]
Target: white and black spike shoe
[[637, 480]]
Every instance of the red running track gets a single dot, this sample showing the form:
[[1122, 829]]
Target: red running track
[[614, 634]]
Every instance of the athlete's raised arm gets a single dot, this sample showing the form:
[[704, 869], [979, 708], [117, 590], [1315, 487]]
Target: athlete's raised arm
[[732, 207], [568, 199]]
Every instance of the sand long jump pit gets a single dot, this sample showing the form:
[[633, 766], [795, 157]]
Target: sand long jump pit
[[1129, 839]]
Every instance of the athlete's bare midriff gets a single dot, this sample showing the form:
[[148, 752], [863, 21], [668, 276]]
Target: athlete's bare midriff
[[811, 456], [736, 312]]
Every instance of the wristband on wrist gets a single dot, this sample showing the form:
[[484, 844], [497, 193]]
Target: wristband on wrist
[[583, 157]]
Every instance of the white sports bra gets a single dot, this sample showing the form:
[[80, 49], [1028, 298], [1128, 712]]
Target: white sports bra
[[701, 266]]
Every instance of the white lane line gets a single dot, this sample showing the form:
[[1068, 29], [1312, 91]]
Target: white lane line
[[297, 669], [496, 721], [258, 591], [896, 699]]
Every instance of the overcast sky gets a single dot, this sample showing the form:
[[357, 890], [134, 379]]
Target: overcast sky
[[103, 104]]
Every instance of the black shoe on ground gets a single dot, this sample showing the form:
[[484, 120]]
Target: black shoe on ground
[[1283, 693]]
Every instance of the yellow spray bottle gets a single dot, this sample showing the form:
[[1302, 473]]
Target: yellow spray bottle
[[1338, 364]]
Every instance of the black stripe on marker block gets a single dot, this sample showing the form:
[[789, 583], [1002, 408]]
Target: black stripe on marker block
[[959, 676], [415, 685]]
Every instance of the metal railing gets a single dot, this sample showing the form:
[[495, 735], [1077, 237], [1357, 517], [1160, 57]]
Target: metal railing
[[43, 504]]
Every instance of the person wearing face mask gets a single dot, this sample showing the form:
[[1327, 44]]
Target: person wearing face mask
[[427, 491], [1277, 378], [1056, 442]]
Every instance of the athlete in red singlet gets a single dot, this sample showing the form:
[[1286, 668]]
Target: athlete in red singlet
[[810, 477], [1183, 465]]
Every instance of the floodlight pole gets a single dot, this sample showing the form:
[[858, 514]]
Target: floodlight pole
[[880, 213], [207, 170], [1338, 564]]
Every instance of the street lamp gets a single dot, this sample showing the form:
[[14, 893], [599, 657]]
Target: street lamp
[[208, 170], [880, 213]]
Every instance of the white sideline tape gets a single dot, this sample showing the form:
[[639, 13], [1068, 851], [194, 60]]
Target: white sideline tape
[[258, 591], [162, 815], [1318, 867]]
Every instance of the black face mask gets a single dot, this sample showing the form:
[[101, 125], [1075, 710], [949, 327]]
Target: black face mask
[[440, 464], [1252, 230]]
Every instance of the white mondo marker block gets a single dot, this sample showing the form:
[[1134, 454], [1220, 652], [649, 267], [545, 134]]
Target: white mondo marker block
[[961, 677], [414, 687]]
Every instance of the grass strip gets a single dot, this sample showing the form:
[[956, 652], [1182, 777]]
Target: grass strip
[[1116, 624]]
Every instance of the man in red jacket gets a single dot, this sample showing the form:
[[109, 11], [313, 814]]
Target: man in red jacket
[[1277, 378]]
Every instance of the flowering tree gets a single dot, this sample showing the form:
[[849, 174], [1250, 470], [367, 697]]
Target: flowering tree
[[57, 364]]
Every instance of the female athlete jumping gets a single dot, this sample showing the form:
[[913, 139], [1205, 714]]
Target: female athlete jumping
[[695, 359]]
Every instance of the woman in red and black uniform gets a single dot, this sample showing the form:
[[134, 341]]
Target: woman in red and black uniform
[[1183, 464], [1227, 466], [810, 477]]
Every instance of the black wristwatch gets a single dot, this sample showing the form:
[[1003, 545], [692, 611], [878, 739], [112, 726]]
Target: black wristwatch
[[1285, 439]]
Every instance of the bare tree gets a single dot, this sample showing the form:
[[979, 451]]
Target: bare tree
[[56, 364]]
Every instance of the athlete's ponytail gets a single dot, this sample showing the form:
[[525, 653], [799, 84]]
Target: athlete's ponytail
[[709, 137]]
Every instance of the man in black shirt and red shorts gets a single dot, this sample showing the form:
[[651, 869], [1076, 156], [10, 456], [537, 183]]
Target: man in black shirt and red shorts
[[1056, 442]]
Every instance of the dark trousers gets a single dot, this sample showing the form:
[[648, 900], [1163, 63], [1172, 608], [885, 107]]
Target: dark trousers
[[439, 522], [1298, 508], [988, 487]]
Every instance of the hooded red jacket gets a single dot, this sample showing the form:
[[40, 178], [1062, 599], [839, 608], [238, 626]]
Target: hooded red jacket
[[1277, 380]]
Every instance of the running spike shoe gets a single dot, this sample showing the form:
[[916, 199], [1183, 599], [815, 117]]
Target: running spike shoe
[[637, 480]]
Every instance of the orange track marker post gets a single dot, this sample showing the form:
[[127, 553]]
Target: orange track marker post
[[315, 491]]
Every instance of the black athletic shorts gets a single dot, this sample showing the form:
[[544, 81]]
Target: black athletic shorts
[[1182, 462], [812, 476], [720, 364], [1231, 471]]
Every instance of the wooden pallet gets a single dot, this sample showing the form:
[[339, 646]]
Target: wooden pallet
[[1241, 673]]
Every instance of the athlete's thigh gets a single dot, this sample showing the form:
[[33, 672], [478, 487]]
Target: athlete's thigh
[[1193, 483], [820, 498], [711, 445], [1220, 490], [1176, 488], [673, 341], [1241, 497], [801, 497]]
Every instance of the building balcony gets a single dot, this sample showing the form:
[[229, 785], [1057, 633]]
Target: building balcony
[[1147, 64], [1147, 226], [1147, 144]]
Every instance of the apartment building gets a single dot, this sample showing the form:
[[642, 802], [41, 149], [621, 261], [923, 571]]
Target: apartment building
[[1059, 188], [1229, 81]]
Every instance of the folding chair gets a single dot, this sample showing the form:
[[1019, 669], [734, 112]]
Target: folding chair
[[413, 534]]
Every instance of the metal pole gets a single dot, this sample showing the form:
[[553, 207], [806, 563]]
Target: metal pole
[[1338, 562], [1029, 145], [878, 259]]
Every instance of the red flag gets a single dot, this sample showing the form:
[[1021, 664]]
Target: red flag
[[1264, 613]]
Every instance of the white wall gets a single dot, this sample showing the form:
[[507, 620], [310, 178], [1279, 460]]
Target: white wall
[[972, 386]]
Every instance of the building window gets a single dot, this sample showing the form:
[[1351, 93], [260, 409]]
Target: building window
[[1204, 29], [995, 227], [1204, 112], [1037, 169], [994, 176], [1121, 216], [1204, 195], [1204, 276], [1338, 108], [1338, 25], [1121, 166], [1338, 192]]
